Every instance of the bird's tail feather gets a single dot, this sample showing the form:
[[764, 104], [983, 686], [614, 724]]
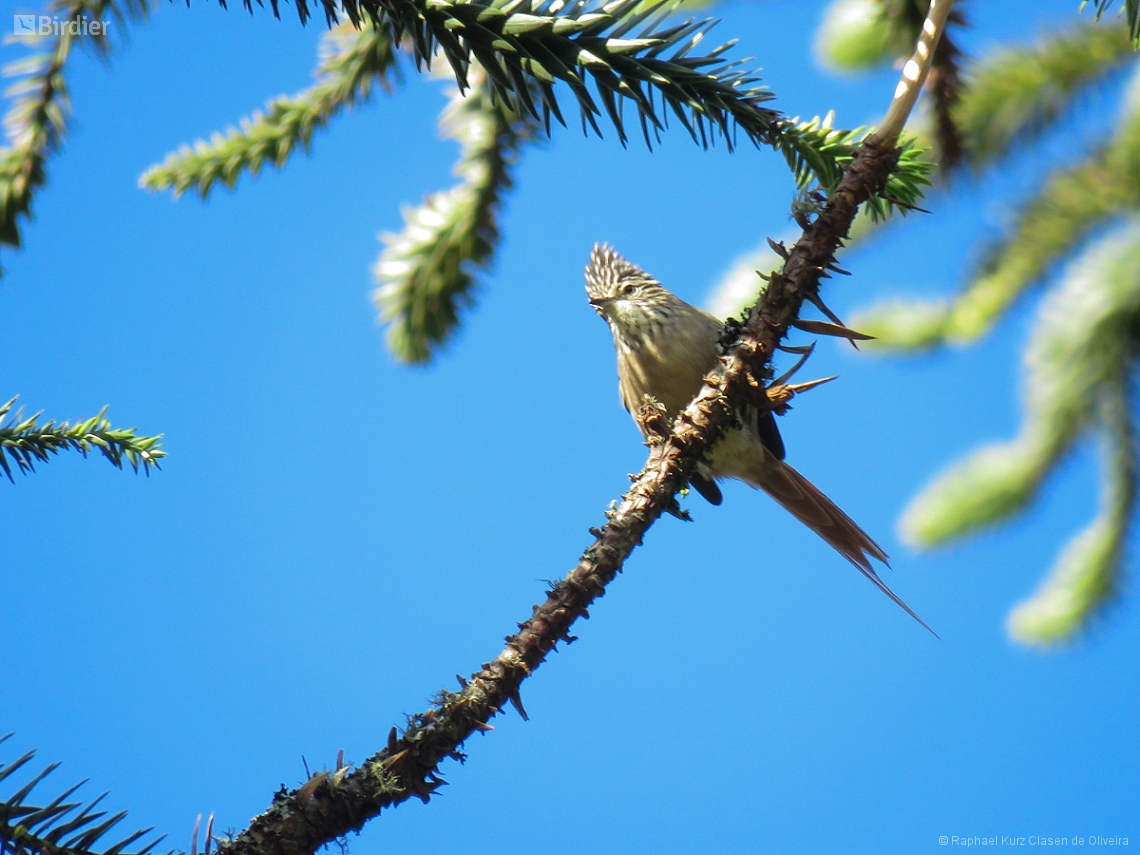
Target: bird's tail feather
[[811, 507]]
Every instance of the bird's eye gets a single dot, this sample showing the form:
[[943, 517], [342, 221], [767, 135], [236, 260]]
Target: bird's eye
[[629, 290]]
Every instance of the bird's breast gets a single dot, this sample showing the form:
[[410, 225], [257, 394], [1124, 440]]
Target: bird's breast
[[670, 368]]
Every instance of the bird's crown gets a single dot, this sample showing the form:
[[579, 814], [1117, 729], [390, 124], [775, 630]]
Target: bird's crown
[[608, 271]]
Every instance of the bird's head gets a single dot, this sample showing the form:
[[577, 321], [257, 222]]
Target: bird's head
[[625, 295]]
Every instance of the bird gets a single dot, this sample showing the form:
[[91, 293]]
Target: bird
[[665, 347]]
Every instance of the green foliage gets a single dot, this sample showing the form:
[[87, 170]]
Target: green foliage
[[525, 48], [904, 189], [26, 441], [831, 151], [1082, 346], [59, 827], [37, 120], [1078, 363], [34, 125], [1088, 570], [993, 483], [508, 56], [351, 61], [1019, 92], [858, 34], [358, 11], [739, 286], [1073, 201], [1012, 96], [1131, 11], [904, 324], [427, 272]]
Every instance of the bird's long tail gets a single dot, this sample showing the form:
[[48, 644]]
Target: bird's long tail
[[811, 507]]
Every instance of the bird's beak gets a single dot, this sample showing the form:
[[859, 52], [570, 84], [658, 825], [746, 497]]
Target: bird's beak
[[600, 303]]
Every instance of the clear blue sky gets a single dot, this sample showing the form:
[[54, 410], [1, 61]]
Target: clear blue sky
[[334, 535]]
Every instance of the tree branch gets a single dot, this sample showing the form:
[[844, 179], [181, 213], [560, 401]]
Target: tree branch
[[26, 441], [36, 123], [332, 804]]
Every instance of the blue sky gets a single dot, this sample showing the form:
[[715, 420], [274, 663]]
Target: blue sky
[[333, 535]]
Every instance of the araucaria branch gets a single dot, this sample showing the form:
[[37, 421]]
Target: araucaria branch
[[332, 804]]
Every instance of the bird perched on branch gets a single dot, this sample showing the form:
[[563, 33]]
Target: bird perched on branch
[[665, 347]]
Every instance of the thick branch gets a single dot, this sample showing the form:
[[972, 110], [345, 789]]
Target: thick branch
[[331, 804]]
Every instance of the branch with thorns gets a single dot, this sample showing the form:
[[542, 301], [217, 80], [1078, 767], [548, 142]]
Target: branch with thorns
[[329, 806]]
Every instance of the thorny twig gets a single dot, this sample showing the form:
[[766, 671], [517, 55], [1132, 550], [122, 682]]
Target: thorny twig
[[331, 804]]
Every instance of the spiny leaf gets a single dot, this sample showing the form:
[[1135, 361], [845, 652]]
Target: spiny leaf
[[27, 829], [426, 273], [36, 122], [26, 441], [1131, 12], [351, 61]]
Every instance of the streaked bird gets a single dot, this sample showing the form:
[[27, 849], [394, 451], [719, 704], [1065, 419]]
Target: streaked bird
[[665, 347]]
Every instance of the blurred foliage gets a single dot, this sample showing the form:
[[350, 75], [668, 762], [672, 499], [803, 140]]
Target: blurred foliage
[[1079, 360], [37, 120], [426, 273], [1078, 364], [60, 827], [858, 34], [506, 57], [1020, 91], [1131, 10]]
